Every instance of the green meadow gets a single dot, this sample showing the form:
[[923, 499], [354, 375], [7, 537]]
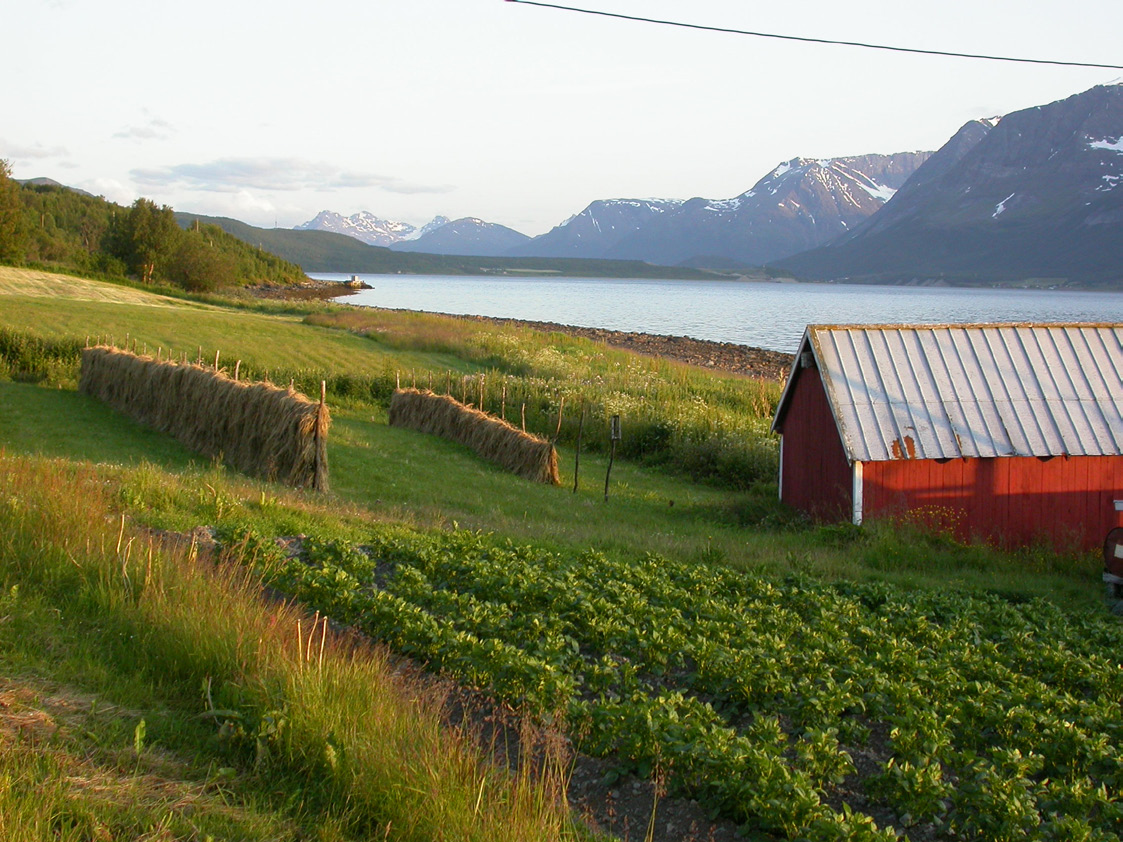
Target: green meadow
[[146, 668]]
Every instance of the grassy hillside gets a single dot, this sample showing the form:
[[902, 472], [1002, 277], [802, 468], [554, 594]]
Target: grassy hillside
[[324, 251], [696, 634]]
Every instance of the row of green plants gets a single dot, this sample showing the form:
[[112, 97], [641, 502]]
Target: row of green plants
[[987, 719]]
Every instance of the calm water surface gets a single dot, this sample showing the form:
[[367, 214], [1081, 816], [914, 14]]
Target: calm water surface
[[765, 315]]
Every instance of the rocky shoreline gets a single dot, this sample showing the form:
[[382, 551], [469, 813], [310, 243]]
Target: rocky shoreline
[[720, 356]]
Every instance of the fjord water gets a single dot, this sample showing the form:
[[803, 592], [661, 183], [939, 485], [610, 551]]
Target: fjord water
[[761, 314]]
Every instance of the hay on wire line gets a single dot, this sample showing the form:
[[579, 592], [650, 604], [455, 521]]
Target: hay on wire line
[[258, 428], [492, 438]]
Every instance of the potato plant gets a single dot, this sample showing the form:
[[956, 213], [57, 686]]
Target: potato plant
[[993, 720]]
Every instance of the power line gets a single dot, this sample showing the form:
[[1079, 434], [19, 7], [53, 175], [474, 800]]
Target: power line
[[808, 40]]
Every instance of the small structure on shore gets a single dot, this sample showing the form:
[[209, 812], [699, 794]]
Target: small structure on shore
[[1001, 432]]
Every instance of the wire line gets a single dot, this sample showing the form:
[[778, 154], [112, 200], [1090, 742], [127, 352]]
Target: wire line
[[808, 40]]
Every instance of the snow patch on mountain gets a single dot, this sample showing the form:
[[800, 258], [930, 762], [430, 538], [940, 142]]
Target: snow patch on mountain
[[428, 228], [368, 228], [1001, 206], [726, 205], [1115, 145]]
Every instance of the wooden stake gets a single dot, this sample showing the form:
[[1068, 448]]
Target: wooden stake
[[524, 416], [614, 435], [237, 367], [503, 401], [561, 408], [216, 360], [482, 394], [608, 473], [397, 379], [577, 456]]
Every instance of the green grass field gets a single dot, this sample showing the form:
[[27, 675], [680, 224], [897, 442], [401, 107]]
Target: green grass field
[[397, 488]]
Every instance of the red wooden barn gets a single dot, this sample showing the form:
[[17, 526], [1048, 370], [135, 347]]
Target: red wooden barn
[[1008, 433]]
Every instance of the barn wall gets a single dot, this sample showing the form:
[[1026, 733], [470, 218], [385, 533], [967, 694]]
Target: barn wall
[[1065, 500], [815, 474]]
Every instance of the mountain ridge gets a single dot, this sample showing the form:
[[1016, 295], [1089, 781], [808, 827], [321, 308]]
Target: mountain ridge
[[1032, 195]]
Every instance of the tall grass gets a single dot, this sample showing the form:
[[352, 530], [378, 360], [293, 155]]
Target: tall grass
[[298, 708], [706, 424], [27, 358]]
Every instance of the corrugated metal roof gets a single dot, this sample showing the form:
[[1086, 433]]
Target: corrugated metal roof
[[948, 391]]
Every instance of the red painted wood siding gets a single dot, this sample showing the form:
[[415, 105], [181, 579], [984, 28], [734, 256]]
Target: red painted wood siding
[[815, 474], [1067, 501]]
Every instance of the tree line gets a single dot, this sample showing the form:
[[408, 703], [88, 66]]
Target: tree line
[[52, 225]]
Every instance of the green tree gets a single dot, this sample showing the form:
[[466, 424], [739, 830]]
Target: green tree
[[11, 215], [145, 237], [199, 265]]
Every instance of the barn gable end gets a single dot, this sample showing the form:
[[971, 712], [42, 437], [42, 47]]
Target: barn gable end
[[1008, 432]]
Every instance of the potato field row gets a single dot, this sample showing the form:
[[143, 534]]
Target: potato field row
[[797, 708]]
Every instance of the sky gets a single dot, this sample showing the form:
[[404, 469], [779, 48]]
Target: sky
[[270, 112]]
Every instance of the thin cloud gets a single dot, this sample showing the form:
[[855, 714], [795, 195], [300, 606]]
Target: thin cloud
[[36, 152], [153, 129], [229, 175]]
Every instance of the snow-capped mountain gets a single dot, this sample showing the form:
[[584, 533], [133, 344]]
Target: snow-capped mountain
[[467, 236], [800, 204], [1033, 195], [598, 229], [368, 228]]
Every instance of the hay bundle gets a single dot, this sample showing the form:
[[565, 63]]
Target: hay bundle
[[258, 428], [492, 438]]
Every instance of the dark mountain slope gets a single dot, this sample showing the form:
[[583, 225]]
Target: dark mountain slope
[[1036, 196]]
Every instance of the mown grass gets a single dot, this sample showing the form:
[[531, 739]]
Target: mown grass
[[150, 695], [45, 307]]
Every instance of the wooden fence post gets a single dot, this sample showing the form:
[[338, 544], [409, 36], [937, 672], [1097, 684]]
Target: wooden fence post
[[614, 433], [561, 408], [577, 456], [317, 464]]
